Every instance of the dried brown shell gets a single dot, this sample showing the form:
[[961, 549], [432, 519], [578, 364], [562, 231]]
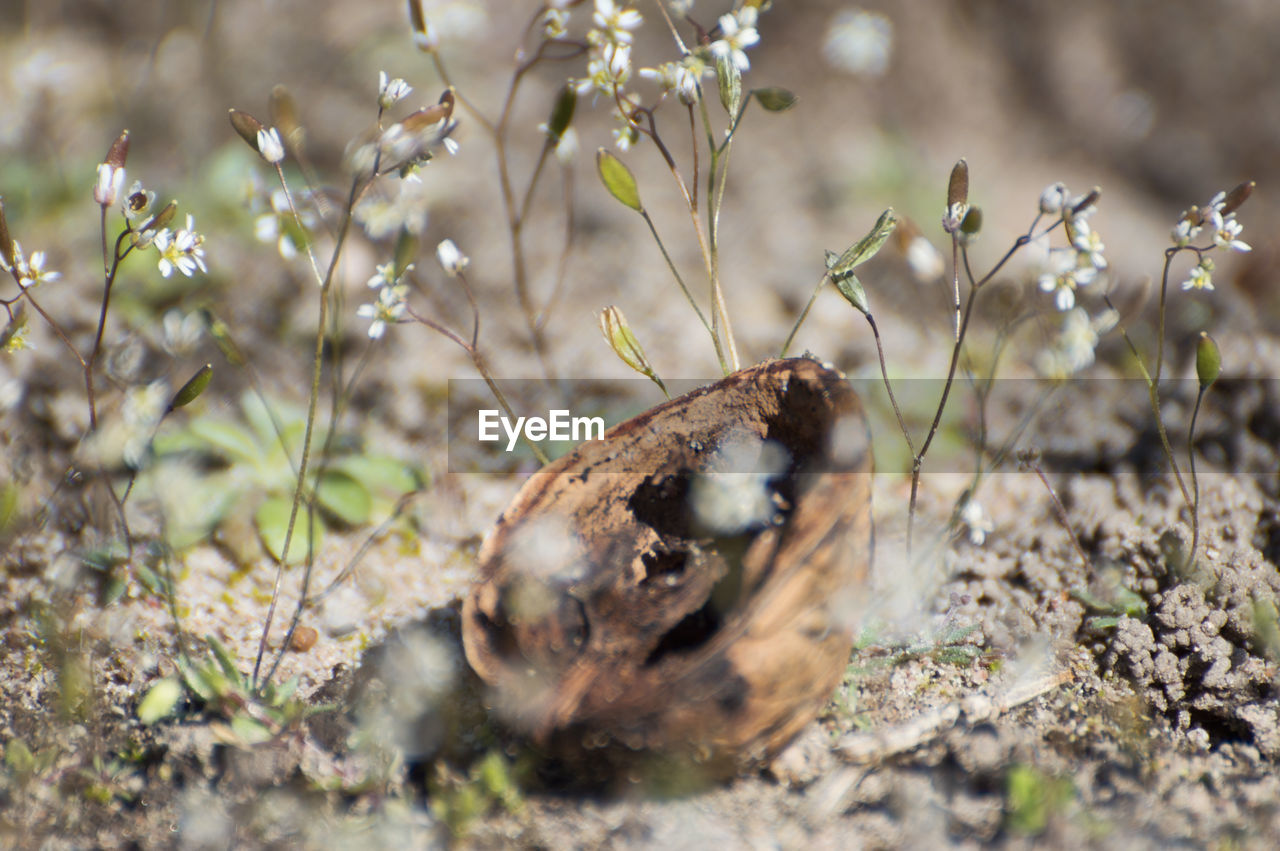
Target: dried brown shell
[[611, 613]]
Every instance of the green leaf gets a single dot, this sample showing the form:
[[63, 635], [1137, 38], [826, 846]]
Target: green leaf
[[19, 757], [160, 701], [775, 99], [197, 681], [380, 474], [229, 440], [8, 504], [225, 661], [851, 288], [272, 520], [250, 730], [865, 248], [345, 498], [617, 178]]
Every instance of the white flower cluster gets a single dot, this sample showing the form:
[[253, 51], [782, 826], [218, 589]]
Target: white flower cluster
[[1225, 228], [609, 66], [390, 305], [1079, 263]]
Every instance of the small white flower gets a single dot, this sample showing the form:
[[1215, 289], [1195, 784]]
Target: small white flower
[[925, 260], [32, 273], [953, 216], [385, 310], [1063, 277], [451, 259], [110, 182], [975, 520], [269, 145], [617, 22], [384, 275], [859, 42], [181, 332], [1089, 245], [1226, 231], [137, 203], [1187, 228], [737, 33], [183, 250], [617, 61], [567, 147], [625, 134], [1053, 199], [1201, 277], [391, 92], [1074, 347], [555, 24], [679, 77]]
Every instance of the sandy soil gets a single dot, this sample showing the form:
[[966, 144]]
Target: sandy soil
[[1008, 693]]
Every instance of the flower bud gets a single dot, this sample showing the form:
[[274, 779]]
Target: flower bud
[[246, 126], [1237, 197], [958, 185], [617, 333], [119, 151], [451, 259], [1091, 198], [6, 241], [424, 36]]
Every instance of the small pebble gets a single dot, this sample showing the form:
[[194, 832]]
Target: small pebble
[[304, 638]]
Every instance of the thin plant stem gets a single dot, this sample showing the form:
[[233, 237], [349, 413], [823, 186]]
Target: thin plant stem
[[679, 280], [804, 314], [1061, 511], [562, 265], [937, 416], [1154, 398], [317, 372], [481, 367], [1195, 482], [888, 386]]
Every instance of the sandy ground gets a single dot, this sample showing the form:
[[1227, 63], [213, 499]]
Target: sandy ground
[[1009, 693]]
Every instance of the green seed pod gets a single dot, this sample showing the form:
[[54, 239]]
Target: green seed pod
[[1208, 361], [193, 388], [562, 112], [775, 99], [618, 179], [729, 79]]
